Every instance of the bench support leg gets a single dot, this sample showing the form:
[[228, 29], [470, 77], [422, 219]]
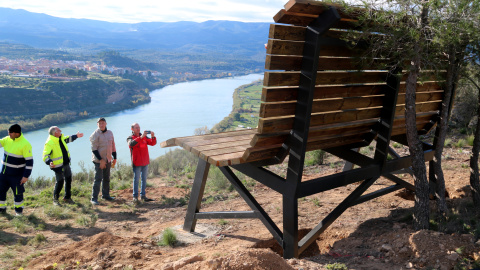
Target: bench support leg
[[290, 227], [196, 195]]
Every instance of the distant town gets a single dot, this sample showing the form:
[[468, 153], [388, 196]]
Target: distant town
[[45, 68]]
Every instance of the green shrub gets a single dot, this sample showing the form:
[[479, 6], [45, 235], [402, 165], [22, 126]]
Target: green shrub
[[216, 180], [37, 240], [470, 140], [57, 212], [316, 157], [87, 220], [447, 143], [461, 143], [168, 238]]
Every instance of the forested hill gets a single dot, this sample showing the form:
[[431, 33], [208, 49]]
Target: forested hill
[[44, 31], [63, 101]]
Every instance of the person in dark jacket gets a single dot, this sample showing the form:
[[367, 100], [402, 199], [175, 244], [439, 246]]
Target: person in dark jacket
[[17, 166], [138, 143]]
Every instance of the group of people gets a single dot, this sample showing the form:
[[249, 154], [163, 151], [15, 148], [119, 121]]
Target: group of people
[[17, 163]]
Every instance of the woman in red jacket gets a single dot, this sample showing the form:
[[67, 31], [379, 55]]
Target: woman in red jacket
[[138, 144]]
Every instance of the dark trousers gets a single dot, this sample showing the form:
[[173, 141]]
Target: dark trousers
[[102, 178], [63, 174], [13, 182]]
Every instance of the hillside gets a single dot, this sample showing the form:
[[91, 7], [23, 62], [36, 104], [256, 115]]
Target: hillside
[[373, 235], [54, 102]]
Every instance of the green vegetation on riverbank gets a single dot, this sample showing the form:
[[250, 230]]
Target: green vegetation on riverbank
[[245, 109]]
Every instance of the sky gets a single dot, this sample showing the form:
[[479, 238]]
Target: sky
[[134, 11]]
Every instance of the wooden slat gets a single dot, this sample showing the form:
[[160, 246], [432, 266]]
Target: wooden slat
[[316, 133], [422, 87], [421, 107], [422, 97], [262, 153], [226, 159], [274, 94], [302, 19], [279, 124], [331, 47], [316, 7], [269, 125], [292, 78], [197, 150], [281, 62], [185, 140], [200, 143], [286, 32], [205, 155], [274, 109]]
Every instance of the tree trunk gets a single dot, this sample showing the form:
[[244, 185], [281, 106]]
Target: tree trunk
[[421, 215], [439, 178], [474, 174]]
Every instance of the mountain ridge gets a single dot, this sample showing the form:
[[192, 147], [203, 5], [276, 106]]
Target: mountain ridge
[[49, 32]]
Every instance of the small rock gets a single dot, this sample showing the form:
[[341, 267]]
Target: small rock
[[453, 256], [397, 226], [214, 264], [292, 262], [477, 243], [157, 252], [177, 204], [386, 247], [409, 265], [97, 267], [101, 254], [118, 266], [167, 266]]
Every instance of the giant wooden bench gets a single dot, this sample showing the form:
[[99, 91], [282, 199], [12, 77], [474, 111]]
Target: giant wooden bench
[[314, 97]]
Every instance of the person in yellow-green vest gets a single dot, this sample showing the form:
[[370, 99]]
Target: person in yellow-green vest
[[56, 155], [17, 166]]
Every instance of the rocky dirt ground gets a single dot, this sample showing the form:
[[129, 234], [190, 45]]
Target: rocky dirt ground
[[373, 235]]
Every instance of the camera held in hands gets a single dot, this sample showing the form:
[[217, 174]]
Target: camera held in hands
[[147, 132]]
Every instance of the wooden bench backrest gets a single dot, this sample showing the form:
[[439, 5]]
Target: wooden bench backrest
[[347, 100]]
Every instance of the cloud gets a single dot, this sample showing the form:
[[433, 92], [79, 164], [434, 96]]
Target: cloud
[[154, 11]]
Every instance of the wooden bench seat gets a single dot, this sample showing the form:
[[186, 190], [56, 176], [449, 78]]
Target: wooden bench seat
[[319, 92]]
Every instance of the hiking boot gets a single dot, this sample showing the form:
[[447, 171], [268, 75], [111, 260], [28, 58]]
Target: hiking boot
[[94, 202], [135, 200], [145, 199], [18, 214], [56, 202], [108, 198], [69, 201]]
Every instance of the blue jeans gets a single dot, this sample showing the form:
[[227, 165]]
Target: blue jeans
[[102, 178], [137, 170]]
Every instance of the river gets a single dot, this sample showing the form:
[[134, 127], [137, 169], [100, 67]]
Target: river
[[174, 111]]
